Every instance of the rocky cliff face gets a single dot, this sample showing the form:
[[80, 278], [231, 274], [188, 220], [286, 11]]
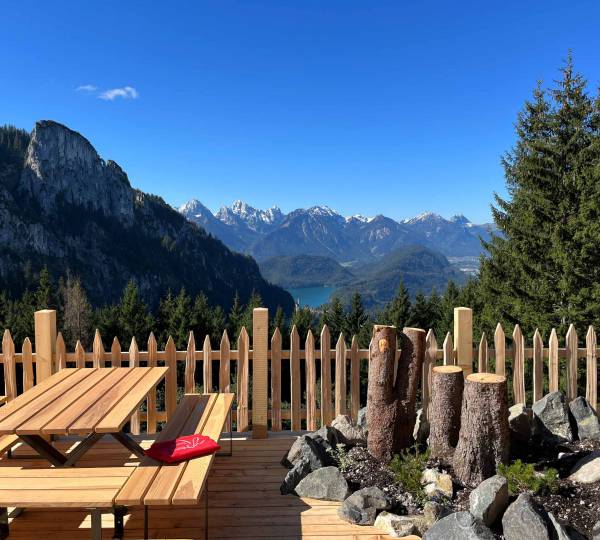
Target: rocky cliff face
[[60, 164], [76, 213]]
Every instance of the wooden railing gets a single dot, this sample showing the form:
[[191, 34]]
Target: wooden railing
[[316, 391]]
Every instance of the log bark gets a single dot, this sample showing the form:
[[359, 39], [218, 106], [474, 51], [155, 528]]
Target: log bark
[[382, 403], [445, 409], [392, 393], [410, 368], [483, 441]]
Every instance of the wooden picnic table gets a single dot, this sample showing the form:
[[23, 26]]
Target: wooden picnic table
[[85, 401]]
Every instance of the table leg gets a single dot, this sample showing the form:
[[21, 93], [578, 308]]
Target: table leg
[[129, 443], [44, 449], [74, 455]]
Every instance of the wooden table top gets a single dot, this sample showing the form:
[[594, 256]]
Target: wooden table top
[[80, 401]]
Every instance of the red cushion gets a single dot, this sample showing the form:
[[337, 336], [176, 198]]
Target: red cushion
[[182, 448]]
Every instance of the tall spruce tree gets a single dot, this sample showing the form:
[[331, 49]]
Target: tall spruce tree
[[542, 270], [397, 311], [134, 316]]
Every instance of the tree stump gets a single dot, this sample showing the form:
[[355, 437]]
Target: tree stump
[[382, 403], [410, 368], [483, 442], [445, 409], [392, 393]]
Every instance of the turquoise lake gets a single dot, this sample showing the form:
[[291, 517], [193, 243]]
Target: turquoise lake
[[311, 296]]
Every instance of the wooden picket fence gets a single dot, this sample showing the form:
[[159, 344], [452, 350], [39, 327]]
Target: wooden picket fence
[[318, 390]]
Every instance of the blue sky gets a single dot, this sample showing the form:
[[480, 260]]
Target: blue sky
[[369, 107]]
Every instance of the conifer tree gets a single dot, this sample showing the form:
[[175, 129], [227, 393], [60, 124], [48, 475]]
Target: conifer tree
[[542, 270], [397, 311], [134, 316], [303, 319], [336, 318], [235, 317], [44, 296], [202, 317], [420, 315], [218, 324]]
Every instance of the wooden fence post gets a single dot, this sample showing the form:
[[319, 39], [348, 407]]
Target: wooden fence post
[[463, 339], [45, 343], [260, 371]]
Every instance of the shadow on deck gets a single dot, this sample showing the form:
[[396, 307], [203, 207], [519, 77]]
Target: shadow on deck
[[244, 502]]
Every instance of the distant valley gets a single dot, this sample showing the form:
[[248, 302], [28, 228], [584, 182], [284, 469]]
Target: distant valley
[[319, 247]]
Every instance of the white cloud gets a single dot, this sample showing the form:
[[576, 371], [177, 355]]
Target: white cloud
[[126, 92], [86, 88]]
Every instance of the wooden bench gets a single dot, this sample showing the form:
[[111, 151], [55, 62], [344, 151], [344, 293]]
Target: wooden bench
[[115, 488], [157, 484], [87, 487]]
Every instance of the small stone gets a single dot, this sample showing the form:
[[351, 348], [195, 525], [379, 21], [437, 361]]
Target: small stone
[[585, 420], [293, 477], [551, 418], [351, 432], [587, 469], [459, 526], [519, 420], [437, 484], [524, 519], [394, 525], [421, 430], [362, 506], [596, 531], [326, 483], [432, 511], [489, 499]]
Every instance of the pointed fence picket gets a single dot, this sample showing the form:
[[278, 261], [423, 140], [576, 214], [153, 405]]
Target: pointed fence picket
[[324, 378]]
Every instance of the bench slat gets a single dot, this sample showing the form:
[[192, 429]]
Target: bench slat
[[7, 442], [141, 479], [193, 479], [167, 478], [62, 488]]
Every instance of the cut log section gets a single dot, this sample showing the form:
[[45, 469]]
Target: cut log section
[[483, 441], [445, 409], [410, 369], [382, 404]]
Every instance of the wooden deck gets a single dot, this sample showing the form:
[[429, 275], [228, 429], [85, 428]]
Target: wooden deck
[[244, 502]]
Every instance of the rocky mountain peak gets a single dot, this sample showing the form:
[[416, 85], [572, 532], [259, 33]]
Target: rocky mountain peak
[[62, 165], [460, 219]]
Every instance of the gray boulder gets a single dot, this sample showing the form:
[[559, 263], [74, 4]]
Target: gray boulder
[[326, 483], [519, 421], [361, 421], [489, 499], [585, 420], [551, 418], [524, 519], [459, 526], [294, 476], [421, 430], [587, 469], [596, 531], [350, 431], [432, 511], [308, 448], [362, 506]]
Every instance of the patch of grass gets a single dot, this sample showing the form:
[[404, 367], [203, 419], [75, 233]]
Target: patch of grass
[[522, 477], [407, 468]]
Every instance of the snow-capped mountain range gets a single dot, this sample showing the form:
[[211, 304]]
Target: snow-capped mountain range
[[320, 230]]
